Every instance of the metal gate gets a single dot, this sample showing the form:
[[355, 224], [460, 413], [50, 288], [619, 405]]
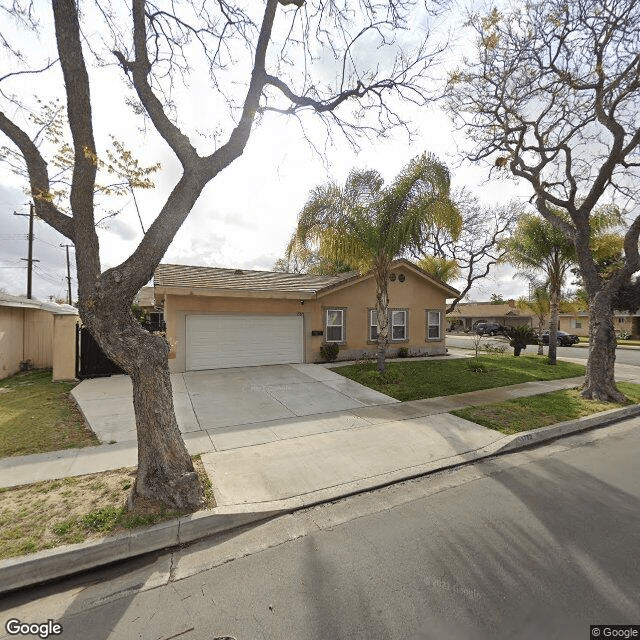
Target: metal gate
[[91, 362]]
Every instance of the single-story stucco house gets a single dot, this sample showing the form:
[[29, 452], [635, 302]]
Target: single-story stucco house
[[217, 318], [467, 315], [577, 322]]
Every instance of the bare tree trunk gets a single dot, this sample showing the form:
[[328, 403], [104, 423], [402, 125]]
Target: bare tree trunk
[[600, 382], [165, 471], [554, 311], [382, 311]]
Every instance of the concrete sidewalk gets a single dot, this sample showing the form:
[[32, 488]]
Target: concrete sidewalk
[[303, 461], [247, 450]]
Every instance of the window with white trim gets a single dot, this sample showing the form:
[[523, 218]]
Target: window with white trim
[[334, 325], [433, 325], [373, 325], [398, 325]]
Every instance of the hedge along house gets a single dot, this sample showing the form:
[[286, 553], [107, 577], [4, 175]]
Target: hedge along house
[[218, 318]]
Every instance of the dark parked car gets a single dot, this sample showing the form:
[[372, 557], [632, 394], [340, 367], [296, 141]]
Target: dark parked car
[[564, 339], [489, 328]]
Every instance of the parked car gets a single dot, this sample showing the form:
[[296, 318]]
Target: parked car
[[564, 339], [489, 328]]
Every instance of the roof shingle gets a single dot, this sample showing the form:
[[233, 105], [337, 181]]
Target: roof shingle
[[175, 275]]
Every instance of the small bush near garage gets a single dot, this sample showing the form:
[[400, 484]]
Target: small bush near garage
[[329, 352]]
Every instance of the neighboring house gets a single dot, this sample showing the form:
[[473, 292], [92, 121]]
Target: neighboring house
[[145, 299], [577, 322], [219, 318], [468, 314], [37, 335]]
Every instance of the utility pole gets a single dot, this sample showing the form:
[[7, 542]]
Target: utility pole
[[66, 246], [30, 260]]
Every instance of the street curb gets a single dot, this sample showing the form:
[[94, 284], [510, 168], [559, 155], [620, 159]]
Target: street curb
[[60, 562]]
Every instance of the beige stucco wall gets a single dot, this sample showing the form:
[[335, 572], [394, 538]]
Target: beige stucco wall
[[25, 334], [620, 323], [64, 347], [414, 294], [177, 308], [11, 340], [568, 323], [39, 338]]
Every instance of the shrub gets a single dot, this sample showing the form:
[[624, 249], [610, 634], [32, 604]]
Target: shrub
[[495, 348], [475, 366], [624, 335], [329, 352], [403, 352], [520, 337]]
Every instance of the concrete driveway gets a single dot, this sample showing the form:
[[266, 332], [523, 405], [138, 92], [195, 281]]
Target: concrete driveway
[[229, 408]]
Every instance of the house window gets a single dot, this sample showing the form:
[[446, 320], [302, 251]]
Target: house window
[[621, 320], [335, 325], [373, 325], [433, 325], [398, 325], [398, 322], [578, 324]]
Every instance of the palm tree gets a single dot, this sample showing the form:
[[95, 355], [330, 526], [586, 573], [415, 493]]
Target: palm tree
[[441, 268], [535, 246], [366, 225], [539, 305]]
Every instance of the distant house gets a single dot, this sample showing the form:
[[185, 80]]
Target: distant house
[[467, 315], [219, 318], [577, 323], [38, 335]]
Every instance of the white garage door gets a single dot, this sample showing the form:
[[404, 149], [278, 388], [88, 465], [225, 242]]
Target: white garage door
[[221, 341]]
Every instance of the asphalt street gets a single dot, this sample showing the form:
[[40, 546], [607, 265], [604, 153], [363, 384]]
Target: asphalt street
[[537, 544]]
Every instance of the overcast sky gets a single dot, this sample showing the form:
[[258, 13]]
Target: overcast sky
[[246, 215]]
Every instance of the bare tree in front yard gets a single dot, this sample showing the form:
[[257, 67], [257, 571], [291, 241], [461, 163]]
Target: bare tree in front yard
[[553, 98], [278, 43]]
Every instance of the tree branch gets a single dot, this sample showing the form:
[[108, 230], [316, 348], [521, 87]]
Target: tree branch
[[38, 178]]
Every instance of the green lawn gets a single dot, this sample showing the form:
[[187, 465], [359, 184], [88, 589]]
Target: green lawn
[[514, 416], [416, 379], [37, 415]]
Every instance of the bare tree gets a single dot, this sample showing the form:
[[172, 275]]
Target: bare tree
[[552, 97], [477, 249], [155, 44]]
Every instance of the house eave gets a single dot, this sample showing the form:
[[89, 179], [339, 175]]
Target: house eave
[[235, 293]]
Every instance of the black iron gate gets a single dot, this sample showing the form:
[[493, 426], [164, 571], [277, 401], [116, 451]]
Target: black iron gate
[[91, 362]]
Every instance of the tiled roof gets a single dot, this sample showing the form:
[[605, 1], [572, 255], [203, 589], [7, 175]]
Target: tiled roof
[[487, 309], [175, 275]]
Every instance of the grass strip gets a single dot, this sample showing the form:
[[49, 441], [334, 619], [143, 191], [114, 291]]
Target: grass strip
[[533, 412], [37, 415], [77, 509], [418, 379]]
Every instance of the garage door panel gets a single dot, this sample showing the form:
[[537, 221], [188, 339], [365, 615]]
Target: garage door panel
[[221, 341]]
